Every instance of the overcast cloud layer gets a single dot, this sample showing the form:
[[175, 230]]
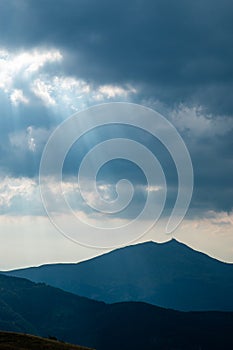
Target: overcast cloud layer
[[176, 51], [57, 58]]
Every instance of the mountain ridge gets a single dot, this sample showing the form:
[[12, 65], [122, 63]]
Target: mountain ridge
[[125, 325], [169, 242], [169, 275]]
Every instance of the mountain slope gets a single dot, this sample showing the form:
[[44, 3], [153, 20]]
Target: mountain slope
[[169, 275], [17, 341], [125, 326], [44, 310]]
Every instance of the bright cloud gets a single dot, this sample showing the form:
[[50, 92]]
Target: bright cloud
[[10, 188], [23, 65], [31, 139], [43, 91], [75, 94], [24, 75], [111, 91], [17, 97], [153, 188]]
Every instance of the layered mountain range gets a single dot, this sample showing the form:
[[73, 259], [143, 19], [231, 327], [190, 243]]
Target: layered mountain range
[[169, 275], [38, 309]]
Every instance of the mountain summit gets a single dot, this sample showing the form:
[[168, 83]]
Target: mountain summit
[[170, 275]]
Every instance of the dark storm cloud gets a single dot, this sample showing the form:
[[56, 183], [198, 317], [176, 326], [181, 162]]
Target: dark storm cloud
[[213, 169], [172, 51], [175, 51]]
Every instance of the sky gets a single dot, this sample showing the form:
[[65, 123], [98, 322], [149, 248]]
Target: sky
[[60, 58]]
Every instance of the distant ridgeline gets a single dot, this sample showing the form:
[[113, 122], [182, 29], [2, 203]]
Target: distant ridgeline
[[169, 275], [42, 310]]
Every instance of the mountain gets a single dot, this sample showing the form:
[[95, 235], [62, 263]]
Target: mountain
[[37, 309], [17, 341], [170, 275], [47, 311]]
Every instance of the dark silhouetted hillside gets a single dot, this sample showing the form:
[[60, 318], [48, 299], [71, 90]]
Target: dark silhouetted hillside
[[47, 311], [17, 341]]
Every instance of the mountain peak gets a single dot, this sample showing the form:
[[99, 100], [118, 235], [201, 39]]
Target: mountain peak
[[168, 274]]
